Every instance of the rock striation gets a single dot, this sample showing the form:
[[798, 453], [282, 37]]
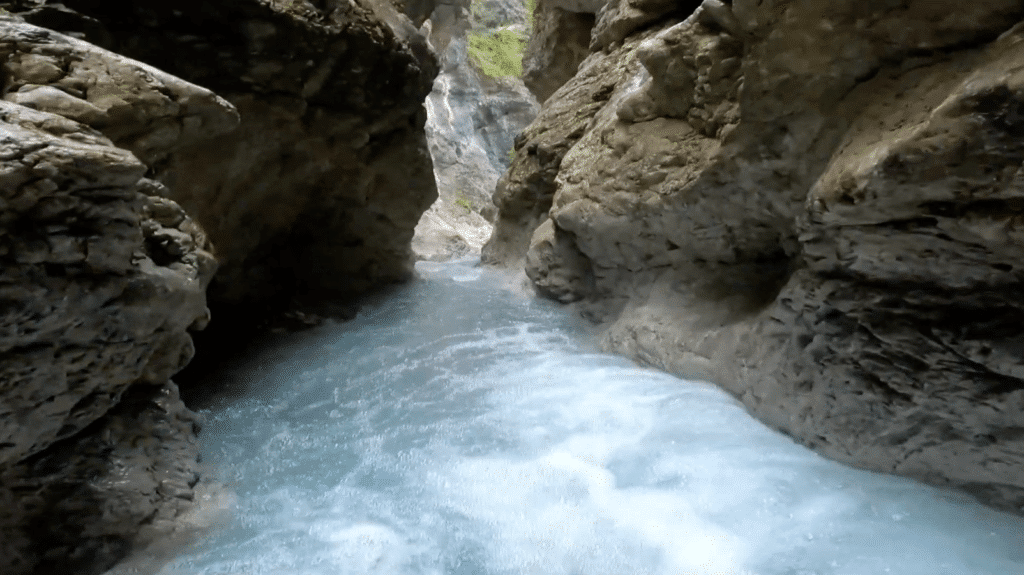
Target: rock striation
[[815, 204]]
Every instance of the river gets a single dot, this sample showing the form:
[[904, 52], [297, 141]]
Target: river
[[458, 427]]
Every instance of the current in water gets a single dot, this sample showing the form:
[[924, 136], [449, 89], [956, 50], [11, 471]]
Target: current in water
[[458, 428]]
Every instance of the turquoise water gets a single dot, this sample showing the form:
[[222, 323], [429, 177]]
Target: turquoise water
[[456, 427]]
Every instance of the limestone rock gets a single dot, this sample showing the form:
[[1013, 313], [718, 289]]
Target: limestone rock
[[140, 108], [555, 265], [816, 205], [524, 193], [558, 45], [418, 11], [100, 284], [102, 278], [81, 505], [447, 231], [318, 190], [619, 18], [472, 120]]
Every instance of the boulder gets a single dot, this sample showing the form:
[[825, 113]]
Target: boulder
[[103, 277]]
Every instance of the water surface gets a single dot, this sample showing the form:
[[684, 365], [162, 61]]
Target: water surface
[[458, 428]]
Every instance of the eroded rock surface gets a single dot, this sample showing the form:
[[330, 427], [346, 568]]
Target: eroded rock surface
[[318, 190], [309, 182], [815, 204], [102, 278], [559, 43], [314, 197], [82, 505], [472, 121]]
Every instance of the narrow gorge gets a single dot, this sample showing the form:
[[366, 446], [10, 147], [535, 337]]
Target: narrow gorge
[[501, 286]]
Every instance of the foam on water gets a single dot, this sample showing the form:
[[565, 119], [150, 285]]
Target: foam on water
[[454, 428]]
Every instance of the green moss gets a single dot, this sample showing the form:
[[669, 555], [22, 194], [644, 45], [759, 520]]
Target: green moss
[[498, 53]]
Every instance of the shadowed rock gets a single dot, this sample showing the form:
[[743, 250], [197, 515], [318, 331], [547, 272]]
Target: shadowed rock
[[102, 278], [309, 182]]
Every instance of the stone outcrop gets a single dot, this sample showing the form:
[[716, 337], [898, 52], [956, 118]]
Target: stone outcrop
[[316, 194], [472, 120], [815, 204], [308, 176], [131, 481], [318, 190], [102, 278]]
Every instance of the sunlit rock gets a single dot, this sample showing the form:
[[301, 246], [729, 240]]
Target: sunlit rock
[[474, 112], [815, 204]]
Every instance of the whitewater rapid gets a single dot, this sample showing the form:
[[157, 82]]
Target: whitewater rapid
[[456, 427]]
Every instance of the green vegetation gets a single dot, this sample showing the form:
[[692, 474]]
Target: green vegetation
[[498, 53], [462, 201]]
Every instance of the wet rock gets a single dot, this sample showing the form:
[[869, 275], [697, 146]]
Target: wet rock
[[814, 205], [116, 176], [98, 294], [81, 505], [102, 279], [99, 288]]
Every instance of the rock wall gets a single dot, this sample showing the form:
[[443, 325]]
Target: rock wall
[[315, 196], [472, 119], [124, 187], [102, 277], [319, 188], [815, 204], [559, 43]]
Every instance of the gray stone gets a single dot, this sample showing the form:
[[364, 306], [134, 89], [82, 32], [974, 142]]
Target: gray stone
[[98, 295], [317, 192], [80, 505], [819, 214], [472, 120], [558, 45]]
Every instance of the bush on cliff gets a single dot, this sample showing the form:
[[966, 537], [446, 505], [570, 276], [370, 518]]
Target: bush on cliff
[[498, 53]]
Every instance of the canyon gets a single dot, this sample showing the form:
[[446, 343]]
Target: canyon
[[814, 205]]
